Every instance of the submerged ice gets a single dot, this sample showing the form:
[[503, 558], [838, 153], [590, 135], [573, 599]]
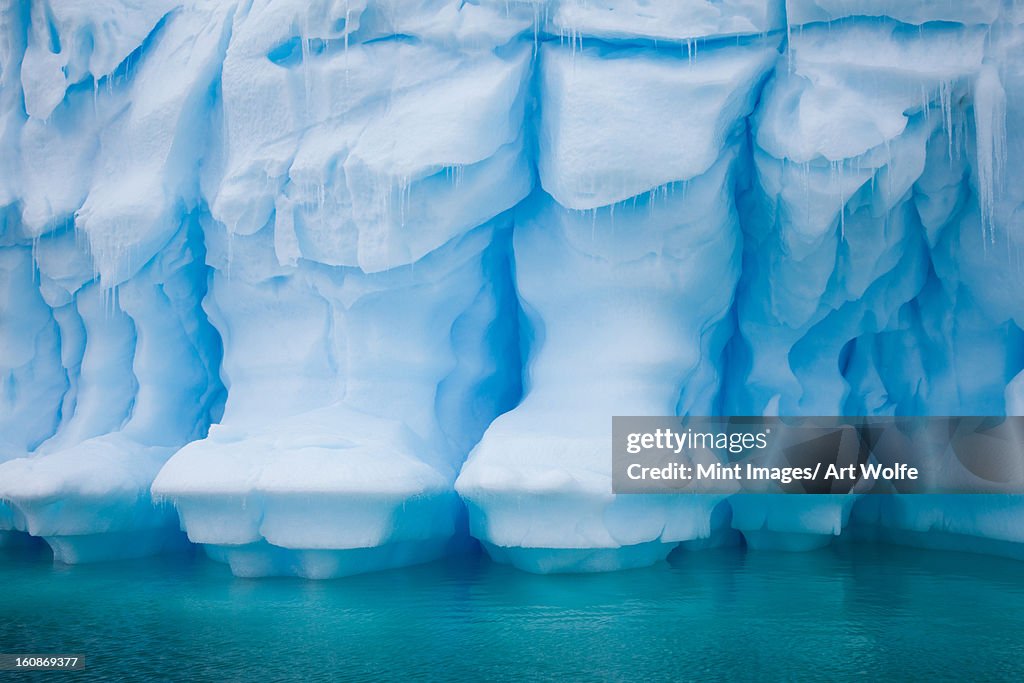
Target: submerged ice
[[329, 285]]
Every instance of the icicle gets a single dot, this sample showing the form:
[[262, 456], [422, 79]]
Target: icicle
[[836, 179], [891, 181], [990, 141], [348, 18], [946, 104], [536, 30], [789, 46], [304, 42]]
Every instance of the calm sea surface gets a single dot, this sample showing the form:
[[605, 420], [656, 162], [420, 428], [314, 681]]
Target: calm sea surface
[[854, 613]]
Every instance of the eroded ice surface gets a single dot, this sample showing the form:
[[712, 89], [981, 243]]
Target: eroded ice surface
[[407, 257]]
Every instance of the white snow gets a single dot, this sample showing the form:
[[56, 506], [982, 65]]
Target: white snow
[[661, 117]]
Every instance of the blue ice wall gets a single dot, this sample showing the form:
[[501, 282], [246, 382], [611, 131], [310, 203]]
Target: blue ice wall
[[325, 284]]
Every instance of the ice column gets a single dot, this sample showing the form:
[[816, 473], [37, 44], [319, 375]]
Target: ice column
[[625, 267], [105, 266], [964, 339], [839, 237], [360, 241]]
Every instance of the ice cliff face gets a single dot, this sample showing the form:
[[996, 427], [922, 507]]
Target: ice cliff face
[[317, 280]]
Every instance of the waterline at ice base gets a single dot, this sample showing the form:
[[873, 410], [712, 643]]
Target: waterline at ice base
[[338, 286]]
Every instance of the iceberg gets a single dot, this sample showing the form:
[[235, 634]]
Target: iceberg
[[333, 286]]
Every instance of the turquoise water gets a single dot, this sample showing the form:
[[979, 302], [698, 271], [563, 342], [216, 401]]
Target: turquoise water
[[855, 613]]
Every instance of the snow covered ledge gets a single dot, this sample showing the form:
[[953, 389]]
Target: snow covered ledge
[[328, 493]]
